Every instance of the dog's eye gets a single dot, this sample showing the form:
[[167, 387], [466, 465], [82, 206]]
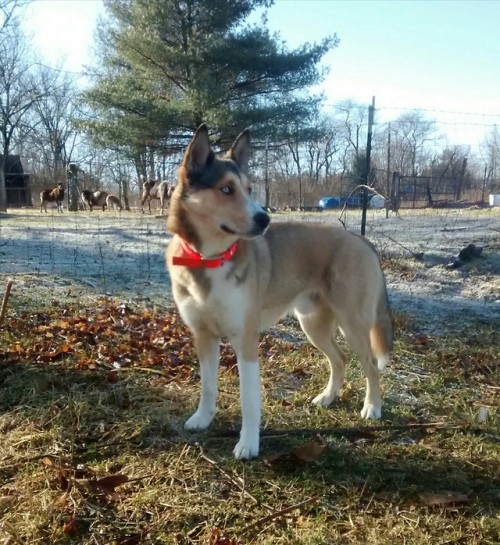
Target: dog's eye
[[227, 190], [249, 189]]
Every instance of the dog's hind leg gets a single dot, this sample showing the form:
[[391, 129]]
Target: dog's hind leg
[[358, 338], [207, 349], [320, 327]]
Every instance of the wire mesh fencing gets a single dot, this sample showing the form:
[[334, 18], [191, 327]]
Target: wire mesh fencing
[[123, 254]]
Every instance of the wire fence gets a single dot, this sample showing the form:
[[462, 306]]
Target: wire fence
[[122, 254]]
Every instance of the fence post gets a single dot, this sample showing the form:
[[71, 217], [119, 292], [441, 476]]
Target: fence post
[[395, 199], [371, 112], [73, 189]]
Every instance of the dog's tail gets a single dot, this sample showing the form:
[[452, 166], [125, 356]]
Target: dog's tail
[[381, 333]]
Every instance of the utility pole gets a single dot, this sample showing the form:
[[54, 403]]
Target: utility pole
[[388, 184], [371, 112], [266, 179], [484, 185]]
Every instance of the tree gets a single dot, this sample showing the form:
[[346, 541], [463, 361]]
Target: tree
[[54, 116], [169, 65], [352, 120], [19, 90], [410, 134], [490, 150]]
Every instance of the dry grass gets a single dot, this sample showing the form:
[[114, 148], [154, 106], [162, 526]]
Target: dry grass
[[64, 427]]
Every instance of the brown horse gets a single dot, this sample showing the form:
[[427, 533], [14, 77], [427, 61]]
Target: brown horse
[[52, 195]]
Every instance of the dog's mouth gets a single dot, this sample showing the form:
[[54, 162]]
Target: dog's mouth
[[260, 224], [227, 230], [255, 232]]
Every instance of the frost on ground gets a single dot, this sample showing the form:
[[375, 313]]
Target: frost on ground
[[82, 256]]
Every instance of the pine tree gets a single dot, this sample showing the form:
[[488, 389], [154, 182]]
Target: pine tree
[[169, 65]]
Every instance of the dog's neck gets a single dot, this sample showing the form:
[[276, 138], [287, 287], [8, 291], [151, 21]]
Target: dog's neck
[[188, 257], [209, 247]]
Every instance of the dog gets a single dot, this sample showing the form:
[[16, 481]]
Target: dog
[[234, 275], [55, 194], [96, 198]]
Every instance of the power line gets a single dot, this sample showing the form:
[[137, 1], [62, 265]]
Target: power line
[[436, 111]]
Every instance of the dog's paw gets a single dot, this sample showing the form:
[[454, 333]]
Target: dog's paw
[[324, 399], [248, 445], [371, 412], [199, 421], [245, 450]]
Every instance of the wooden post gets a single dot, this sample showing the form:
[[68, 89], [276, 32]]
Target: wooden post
[[371, 112], [72, 189]]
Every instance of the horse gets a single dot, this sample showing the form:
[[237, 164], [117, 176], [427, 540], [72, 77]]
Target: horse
[[154, 189], [96, 198], [55, 194]]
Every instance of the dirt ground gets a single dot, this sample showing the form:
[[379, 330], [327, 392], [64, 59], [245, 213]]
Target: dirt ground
[[79, 256]]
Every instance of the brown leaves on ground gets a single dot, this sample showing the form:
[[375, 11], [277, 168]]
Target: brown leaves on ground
[[113, 336], [67, 476], [218, 538], [306, 453]]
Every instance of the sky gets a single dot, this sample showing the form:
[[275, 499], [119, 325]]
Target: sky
[[440, 56]]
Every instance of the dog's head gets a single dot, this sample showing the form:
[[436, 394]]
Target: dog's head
[[213, 193]]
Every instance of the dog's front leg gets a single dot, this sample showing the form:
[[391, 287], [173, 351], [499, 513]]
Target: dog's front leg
[[207, 348], [248, 368]]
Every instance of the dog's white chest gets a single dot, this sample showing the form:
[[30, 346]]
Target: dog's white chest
[[221, 308]]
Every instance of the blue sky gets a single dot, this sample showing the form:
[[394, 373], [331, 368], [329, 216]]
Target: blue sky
[[442, 56]]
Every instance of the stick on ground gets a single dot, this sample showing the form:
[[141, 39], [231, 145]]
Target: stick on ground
[[6, 295]]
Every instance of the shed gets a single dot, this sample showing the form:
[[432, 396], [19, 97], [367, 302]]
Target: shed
[[17, 182]]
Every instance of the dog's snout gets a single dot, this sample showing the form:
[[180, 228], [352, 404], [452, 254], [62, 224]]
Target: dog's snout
[[261, 220]]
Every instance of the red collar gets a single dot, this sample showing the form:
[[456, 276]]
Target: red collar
[[191, 258]]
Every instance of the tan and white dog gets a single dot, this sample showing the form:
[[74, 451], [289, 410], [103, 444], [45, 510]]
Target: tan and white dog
[[233, 276]]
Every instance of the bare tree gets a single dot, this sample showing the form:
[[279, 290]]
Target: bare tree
[[8, 11], [351, 119], [53, 116], [411, 133], [19, 92], [490, 151]]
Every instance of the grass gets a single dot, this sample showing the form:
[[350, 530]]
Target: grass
[[70, 420]]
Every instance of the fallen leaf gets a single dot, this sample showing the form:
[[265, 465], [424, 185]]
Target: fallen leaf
[[421, 340], [217, 538], [71, 527], [112, 481], [106, 485], [308, 452], [443, 499], [6, 502]]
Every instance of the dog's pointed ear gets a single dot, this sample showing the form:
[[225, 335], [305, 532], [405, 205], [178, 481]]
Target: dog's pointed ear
[[199, 153], [240, 150]]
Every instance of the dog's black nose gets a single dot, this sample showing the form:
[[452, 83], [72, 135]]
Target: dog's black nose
[[261, 220]]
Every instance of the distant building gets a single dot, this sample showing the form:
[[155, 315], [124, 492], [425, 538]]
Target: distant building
[[17, 183]]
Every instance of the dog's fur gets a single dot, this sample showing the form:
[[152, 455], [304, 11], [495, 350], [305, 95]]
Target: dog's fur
[[153, 189], [55, 194], [113, 203], [329, 277], [96, 198]]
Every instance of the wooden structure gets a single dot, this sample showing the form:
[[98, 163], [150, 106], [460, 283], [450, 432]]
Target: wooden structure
[[17, 183]]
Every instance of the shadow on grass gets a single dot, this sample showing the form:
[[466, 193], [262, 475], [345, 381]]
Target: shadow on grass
[[83, 413]]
